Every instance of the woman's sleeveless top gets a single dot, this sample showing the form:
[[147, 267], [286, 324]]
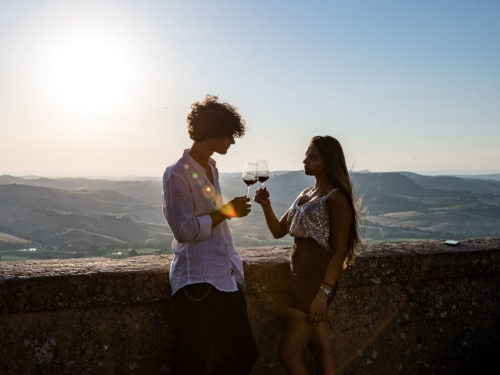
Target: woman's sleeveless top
[[310, 220]]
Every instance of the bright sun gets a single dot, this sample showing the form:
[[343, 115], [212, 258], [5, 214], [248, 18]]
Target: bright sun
[[89, 73]]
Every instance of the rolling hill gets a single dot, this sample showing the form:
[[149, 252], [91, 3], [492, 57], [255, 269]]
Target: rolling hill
[[95, 213], [56, 217]]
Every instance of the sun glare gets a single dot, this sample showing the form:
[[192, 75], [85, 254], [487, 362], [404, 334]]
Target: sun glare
[[89, 73]]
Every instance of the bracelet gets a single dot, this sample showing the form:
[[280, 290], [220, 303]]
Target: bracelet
[[326, 291], [328, 284]]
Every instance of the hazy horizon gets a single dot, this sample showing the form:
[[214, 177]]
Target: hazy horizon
[[102, 88], [137, 176]]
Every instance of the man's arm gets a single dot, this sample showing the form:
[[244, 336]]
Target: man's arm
[[217, 218], [178, 210]]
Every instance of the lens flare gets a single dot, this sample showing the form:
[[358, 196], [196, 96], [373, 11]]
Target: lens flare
[[186, 166], [228, 210], [195, 175], [208, 191]]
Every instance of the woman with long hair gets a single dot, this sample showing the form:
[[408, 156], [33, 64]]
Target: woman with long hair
[[323, 221]]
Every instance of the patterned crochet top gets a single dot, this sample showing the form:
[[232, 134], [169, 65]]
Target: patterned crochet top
[[310, 220]]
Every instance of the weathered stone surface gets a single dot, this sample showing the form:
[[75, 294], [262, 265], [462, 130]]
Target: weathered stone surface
[[104, 340], [409, 308]]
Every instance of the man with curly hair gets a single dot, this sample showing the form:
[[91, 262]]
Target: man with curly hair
[[213, 335]]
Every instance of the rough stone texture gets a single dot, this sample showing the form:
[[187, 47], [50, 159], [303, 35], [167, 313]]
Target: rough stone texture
[[402, 308]]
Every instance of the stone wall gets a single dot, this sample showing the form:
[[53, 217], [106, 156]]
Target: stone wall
[[402, 308]]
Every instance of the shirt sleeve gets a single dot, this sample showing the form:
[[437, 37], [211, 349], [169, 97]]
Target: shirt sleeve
[[178, 208]]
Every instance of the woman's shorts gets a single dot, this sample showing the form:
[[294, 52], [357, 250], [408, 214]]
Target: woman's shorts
[[308, 262]]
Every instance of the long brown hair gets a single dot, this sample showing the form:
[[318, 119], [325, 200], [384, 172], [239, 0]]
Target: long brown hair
[[336, 170]]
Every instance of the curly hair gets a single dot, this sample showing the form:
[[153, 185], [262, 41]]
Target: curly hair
[[333, 157], [211, 119]]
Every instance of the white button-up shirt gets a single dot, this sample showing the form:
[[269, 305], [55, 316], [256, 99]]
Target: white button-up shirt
[[201, 253]]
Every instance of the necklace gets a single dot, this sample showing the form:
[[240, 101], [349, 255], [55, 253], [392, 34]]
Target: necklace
[[320, 189]]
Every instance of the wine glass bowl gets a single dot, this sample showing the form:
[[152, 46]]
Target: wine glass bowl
[[249, 175], [262, 171]]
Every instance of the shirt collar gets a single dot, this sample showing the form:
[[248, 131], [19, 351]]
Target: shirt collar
[[195, 164]]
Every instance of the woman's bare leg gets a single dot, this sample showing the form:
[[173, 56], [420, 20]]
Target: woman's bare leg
[[298, 332], [321, 348]]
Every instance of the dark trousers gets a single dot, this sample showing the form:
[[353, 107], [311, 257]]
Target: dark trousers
[[213, 335]]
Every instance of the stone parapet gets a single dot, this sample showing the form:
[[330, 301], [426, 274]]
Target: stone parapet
[[409, 308]]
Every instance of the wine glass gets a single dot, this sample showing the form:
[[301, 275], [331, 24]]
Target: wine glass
[[262, 172], [249, 175]]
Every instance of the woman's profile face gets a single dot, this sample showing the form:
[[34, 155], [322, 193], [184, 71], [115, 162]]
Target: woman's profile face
[[313, 163]]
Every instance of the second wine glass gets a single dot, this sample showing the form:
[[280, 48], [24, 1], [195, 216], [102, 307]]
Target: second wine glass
[[262, 172]]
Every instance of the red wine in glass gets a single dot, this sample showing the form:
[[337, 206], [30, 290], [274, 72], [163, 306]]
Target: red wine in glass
[[250, 182], [262, 172], [263, 179], [249, 175]]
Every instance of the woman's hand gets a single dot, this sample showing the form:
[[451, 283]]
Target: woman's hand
[[261, 196], [317, 311]]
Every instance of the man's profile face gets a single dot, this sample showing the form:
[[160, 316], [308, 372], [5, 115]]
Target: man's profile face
[[221, 144]]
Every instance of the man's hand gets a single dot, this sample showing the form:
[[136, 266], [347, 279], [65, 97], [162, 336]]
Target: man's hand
[[238, 207]]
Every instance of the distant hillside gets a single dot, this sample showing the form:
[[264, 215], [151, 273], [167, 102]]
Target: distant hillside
[[8, 241], [388, 183], [80, 218], [144, 190], [396, 206], [490, 176], [99, 201], [474, 185], [95, 214]]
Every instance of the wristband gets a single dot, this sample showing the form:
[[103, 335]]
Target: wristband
[[325, 290], [328, 284]]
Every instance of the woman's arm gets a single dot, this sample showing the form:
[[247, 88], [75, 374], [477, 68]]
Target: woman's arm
[[277, 227], [340, 225]]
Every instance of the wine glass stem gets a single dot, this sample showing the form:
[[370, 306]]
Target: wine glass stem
[[248, 191]]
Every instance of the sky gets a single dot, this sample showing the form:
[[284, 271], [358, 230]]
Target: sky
[[103, 88]]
